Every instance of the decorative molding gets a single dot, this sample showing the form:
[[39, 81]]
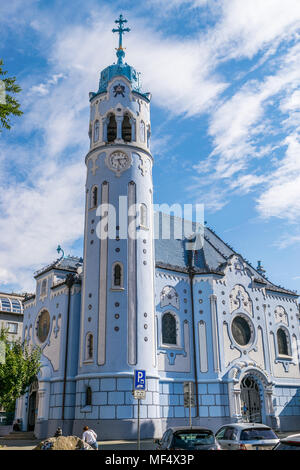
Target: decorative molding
[[240, 300], [281, 315], [169, 296], [132, 281], [202, 336], [102, 300], [215, 333]]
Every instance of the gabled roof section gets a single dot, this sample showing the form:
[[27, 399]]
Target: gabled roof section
[[68, 264], [212, 257]]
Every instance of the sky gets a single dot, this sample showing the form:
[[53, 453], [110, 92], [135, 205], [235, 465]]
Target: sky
[[225, 112]]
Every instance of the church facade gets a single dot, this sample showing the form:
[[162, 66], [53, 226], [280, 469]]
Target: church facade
[[139, 301]]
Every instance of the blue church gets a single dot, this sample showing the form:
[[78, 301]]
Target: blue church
[[182, 312]]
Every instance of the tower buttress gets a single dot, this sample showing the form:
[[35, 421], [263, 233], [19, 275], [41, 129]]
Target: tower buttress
[[118, 288]]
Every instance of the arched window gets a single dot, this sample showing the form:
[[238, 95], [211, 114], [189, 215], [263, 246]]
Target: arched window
[[88, 396], [89, 346], [169, 333], [90, 133], [148, 136], [126, 129], [117, 275], [96, 131], [143, 215], [44, 287], [142, 131], [112, 129], [94, 197], [282, 342]]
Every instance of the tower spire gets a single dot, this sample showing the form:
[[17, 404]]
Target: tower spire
[[121, 30]]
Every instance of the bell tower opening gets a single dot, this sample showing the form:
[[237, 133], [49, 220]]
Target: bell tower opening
[[112, 129], [126, 129]]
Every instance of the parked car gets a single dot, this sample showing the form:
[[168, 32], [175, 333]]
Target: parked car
[[289, 443], [246, 436], [187, 438]]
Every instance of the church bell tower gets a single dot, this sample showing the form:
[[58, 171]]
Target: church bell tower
[[117, 315]]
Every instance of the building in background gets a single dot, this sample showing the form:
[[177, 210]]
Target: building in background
[[11, 315], [201, 314], [11, 320]]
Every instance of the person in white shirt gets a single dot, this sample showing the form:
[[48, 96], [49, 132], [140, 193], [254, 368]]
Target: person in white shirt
[[90, 437]]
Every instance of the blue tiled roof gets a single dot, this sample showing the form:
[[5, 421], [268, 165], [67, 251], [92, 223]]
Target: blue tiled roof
[[212, 257], [68, 263]]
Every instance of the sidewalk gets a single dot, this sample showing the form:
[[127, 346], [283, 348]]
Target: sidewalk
[[146, 444], [119, 445]]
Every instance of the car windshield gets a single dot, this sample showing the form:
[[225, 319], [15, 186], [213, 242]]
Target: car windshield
[[288, 446], [255, 434], [189, 440]]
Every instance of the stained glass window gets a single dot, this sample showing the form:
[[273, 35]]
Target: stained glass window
[[241, 331], [169, 335], [282, 342], [117, 275], [44, 287], [43, 326]]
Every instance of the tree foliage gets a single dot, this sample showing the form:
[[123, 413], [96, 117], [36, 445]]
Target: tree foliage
[[21, 366], [9, 106]]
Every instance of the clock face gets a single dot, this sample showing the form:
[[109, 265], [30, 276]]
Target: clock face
[[118, 161]]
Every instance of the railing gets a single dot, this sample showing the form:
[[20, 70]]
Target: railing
[[250, 418]]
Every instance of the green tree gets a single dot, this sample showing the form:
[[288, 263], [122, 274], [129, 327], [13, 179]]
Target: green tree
[[9, 106], [21, 365]]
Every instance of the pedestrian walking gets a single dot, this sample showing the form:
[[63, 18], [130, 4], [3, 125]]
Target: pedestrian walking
[[90, 437], [58, 432]]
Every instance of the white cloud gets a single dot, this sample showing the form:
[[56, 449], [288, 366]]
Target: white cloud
[[46, 207], [37, 218], [282, 197], [246, 28]]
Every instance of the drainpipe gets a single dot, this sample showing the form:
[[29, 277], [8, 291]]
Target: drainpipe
[[191, 276], [69, 282]]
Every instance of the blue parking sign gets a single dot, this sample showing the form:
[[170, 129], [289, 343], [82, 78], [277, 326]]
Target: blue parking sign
[[140, 380]]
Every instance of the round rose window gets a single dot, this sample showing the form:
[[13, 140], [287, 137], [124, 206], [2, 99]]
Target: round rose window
[[43, 326], [241, 331]]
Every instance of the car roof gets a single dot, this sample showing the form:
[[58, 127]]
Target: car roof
[[246, 425], [188, 428], [292, 437]]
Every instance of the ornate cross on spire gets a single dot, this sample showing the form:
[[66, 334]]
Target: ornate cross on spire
[[121, 31]]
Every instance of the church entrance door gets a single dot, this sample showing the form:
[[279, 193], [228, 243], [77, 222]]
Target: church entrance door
[[250, 400], [32, 406]]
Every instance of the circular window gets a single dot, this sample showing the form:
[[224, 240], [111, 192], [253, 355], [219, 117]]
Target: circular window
[[43, 326], [241, 331]]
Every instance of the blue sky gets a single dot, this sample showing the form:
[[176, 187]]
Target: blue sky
[[224, 75]]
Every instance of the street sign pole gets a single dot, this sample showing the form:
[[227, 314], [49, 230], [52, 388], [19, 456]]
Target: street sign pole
[[190, 403], [139, 434], [189, 399], [139, 393]]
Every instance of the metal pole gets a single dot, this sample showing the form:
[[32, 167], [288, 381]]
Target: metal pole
[[139, 443], [190, 402]]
